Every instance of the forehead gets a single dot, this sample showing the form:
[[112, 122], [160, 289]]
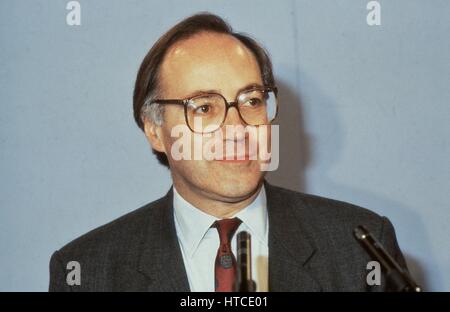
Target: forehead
[[208, 61]]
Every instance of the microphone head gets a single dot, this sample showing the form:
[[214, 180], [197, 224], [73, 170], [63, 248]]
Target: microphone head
[[244, 282], [360, 232]]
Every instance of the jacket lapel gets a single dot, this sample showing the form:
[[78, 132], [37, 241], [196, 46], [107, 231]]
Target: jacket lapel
[[161, 259], [292, 253]]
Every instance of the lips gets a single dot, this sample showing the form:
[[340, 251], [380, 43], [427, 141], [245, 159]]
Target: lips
[[237, 158]]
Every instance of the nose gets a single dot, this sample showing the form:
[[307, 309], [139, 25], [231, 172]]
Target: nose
[[233, 119]]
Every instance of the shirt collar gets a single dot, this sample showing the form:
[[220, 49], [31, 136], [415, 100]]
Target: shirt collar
[[255, 218], [192, 223]]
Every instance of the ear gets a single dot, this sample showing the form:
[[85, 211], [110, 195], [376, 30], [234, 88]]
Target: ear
[[153, 133]]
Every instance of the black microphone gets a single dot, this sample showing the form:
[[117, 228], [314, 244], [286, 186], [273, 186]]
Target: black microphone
[[400, 280], [244, 281]]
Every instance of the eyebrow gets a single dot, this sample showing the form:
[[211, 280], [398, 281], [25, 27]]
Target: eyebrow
[[200, 92]]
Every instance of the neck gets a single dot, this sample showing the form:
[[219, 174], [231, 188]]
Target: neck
[[215, 205]]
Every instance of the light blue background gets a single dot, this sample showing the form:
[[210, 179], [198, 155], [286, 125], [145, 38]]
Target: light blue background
[[365, 118]]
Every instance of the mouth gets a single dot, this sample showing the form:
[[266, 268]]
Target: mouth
[[238, 161], [237, 158]]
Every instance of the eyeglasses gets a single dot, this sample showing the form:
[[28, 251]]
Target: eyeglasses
[[206, 112]]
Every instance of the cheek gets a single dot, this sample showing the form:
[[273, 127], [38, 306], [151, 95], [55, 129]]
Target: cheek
[[173, 115], [264, 139], [172, 127]]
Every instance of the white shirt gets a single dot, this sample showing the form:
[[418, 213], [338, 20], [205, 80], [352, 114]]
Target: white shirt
[[199, 242]]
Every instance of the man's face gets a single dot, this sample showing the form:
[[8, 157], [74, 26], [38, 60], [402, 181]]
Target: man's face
[[209, 61]]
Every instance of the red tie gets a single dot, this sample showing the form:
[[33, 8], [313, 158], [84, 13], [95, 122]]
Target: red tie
[[225, 266]]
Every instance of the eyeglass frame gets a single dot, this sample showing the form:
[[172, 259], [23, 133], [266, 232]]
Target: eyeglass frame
[[185, 103]]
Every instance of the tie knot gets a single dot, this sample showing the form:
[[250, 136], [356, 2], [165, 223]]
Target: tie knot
[[226, 229]]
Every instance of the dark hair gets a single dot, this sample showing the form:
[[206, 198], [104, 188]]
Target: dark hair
[[147, 77]]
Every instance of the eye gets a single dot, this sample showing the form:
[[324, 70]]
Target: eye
[[254, 102], [203, 109]]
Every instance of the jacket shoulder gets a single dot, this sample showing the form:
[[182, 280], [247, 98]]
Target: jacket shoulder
[[108, 256], [121, 233], [325, 211]]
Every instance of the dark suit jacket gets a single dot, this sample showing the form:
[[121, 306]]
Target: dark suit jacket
[[311, 248]]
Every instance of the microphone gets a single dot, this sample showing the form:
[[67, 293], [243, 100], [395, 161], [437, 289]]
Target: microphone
[[400, 279], [244, 281]]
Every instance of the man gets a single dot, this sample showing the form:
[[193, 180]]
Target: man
[[204, 77]]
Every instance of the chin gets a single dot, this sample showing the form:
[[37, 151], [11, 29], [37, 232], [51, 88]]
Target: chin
[[236, 187]]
